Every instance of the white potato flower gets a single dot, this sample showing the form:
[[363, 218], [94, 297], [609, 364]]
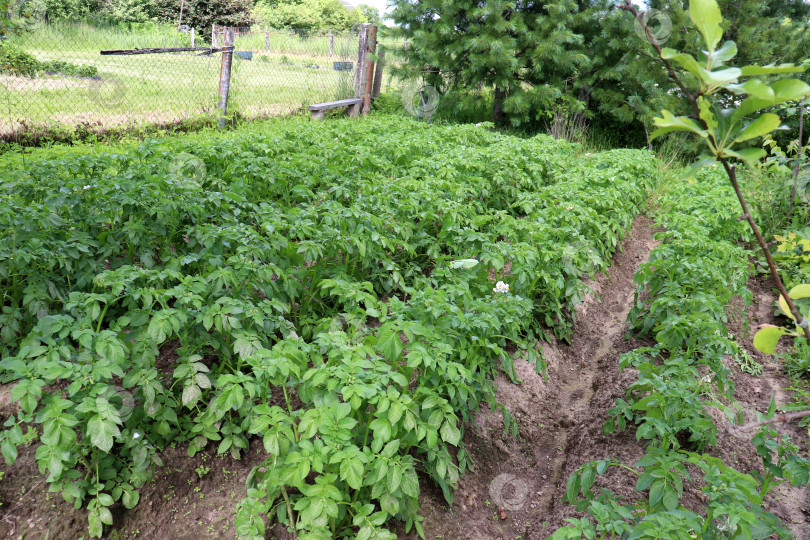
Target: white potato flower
[[501, 287]]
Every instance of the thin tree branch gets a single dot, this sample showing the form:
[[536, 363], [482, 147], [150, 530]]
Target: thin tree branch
[[798, 162], [730, 169], [628, 6], [778, 419]]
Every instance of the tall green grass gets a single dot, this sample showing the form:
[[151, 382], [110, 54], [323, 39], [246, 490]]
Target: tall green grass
[[160, 88]]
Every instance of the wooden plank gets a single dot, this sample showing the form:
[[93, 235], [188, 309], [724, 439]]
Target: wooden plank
[[225, 77], [360, 72], [334, 104], [378, 74]]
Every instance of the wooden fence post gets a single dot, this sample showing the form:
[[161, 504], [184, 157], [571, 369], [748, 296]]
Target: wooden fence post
[[193, 40], [378, 74], [213, 36], [267, 39], [331, 44], [225, 77], [371, 49], [360, 70]]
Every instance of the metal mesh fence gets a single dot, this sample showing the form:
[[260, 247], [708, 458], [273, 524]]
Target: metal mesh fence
[[66, 81]]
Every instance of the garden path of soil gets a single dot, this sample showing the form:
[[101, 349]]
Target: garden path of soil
[[560, 429], [561, 421]]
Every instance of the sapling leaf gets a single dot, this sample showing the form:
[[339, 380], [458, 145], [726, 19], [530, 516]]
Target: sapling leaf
[[770, 69], [766, 338], [669, 123], [714, 79], [722, 55], [800, 291], [759, 127], [703, 161], [750, 156], [685, 60], [706, 16], [785, 308], [753, 87]]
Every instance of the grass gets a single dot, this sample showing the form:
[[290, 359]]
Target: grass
[[151, 88]]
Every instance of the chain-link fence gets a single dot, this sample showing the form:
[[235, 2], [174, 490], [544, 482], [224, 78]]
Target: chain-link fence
[[56, 75]]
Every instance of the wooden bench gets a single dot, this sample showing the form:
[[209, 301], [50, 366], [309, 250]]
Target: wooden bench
[[319, 109]]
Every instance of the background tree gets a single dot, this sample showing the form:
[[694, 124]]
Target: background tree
[[318, 15], [201, 14], [528, 59]]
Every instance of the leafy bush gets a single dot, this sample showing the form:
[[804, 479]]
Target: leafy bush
[[15, 61], [66, 68]]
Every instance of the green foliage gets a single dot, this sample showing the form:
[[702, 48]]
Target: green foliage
[[584, 56], [311, 15], [329, 291], [66, 68], [15, 61], [681, 297], [523, 53], [768, 336], [683, 374], [713, 78], [202, 14], [793, 255], [732, 501]]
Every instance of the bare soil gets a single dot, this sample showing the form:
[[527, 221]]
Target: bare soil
[[560, 429]]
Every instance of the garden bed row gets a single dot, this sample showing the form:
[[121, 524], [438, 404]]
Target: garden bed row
[[335, 294], [683, 295]]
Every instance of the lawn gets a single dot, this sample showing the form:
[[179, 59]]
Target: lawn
[[293, 73]]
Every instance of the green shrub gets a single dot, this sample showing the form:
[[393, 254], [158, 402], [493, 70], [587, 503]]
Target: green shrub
[[66, 68], [15, 61]]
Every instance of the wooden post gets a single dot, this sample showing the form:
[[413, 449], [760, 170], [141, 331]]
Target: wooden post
[[378, 74], [180, 20], [360, 70], [225, 77], [193, 40], [371, 49], [331, 44], [267, 39], [213, 36]]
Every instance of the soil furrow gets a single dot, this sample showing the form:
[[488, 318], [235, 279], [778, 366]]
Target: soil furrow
[[559, 429]]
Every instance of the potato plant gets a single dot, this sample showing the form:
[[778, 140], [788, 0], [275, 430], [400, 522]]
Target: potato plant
[[682, 296], [326, 290]]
